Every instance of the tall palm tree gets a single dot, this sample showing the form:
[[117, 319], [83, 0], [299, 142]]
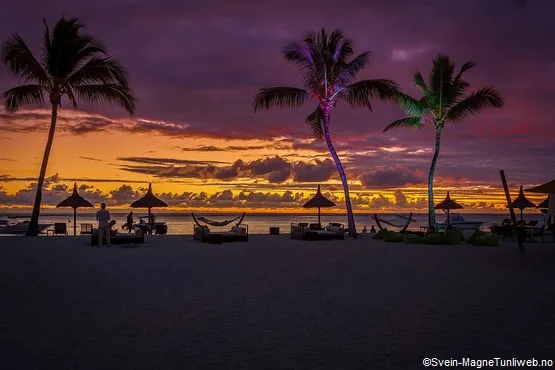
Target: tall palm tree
[[444, 101], [72, 65], [327, 77]]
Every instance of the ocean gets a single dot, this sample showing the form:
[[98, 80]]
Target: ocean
[[182, 223]]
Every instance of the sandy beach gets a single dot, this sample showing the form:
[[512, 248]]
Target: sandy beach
[[271, 303]]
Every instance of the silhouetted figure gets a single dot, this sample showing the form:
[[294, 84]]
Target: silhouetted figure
[[130, 221], [364, 232], [103, 217]]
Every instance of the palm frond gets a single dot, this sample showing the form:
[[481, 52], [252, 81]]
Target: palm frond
[[19, 59], [407, 122], [300, 54], [411, 105], [339, 46], [99, 70], [419, 82], [279, 97], [21, 95], [465, 67], [485, 97], [70, 50], [441, 74], [359, 93], [316, 122], [107, 95], [67, 89], [47, 43], [350, 71]]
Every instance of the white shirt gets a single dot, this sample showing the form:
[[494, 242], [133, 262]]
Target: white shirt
[[103, 217]]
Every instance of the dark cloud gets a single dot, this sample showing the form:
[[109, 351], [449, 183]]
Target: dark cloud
[[390, 179], [276, 169], [318, 171], [7, 178], [91, 159], [231, 148]]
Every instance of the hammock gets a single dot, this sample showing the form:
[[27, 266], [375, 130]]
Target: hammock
[[402, 222], [217, 223]]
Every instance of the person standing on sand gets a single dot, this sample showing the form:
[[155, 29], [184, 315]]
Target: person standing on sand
[[130, 221], [103, 217]]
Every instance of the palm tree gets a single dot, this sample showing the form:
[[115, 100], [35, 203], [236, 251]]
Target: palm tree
[[72, 65], [444, 100], [327, 77]]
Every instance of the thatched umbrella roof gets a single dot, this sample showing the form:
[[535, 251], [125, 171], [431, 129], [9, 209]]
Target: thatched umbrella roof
[[319, 201], [521, 202], [74, 201], [448, 204], [547, 188], [149, 200]]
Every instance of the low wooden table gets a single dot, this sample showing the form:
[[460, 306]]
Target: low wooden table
[[274, 230]]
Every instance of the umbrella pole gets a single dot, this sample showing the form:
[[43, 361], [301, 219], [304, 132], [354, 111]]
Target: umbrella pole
[[447, 217], [319, 216], [521, 211], [74, 221], [149, 223]]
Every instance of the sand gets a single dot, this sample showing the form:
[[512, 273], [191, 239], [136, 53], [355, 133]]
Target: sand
[[271, 303]]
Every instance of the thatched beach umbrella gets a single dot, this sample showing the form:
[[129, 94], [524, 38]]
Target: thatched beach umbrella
[[448, 204], [522, 202], [74, 201], [319, 201], [148, 201]]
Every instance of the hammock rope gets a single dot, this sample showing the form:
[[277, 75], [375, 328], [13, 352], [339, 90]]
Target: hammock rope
[[217, 223], [392, 223]]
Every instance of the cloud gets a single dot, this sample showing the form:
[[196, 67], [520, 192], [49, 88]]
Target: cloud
[[400, 54], [273, 169], [316, 171], [390, 178]]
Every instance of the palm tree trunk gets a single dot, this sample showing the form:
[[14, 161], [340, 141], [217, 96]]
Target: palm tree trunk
[[431, 210], [33, 229], [342, 176]]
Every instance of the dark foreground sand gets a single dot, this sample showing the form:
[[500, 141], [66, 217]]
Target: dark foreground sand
[[272, 303]]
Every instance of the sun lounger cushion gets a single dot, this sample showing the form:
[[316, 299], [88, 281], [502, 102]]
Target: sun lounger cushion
[[393, 237], [333, 228], [238, 230], [380, 235], [451, 237], [475, 235]]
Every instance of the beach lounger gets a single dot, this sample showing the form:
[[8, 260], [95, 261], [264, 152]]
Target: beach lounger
[[60, 228], [236, 234], [119, 238], [303, 231], [86, 229]]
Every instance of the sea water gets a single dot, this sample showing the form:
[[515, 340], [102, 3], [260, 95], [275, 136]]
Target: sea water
[[182, 223]]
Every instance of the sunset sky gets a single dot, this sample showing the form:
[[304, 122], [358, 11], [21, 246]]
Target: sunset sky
[[196, 65]]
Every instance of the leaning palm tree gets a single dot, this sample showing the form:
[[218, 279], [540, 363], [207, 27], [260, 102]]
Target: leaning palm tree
[[327, 77], [444, 101], [72, 65]]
